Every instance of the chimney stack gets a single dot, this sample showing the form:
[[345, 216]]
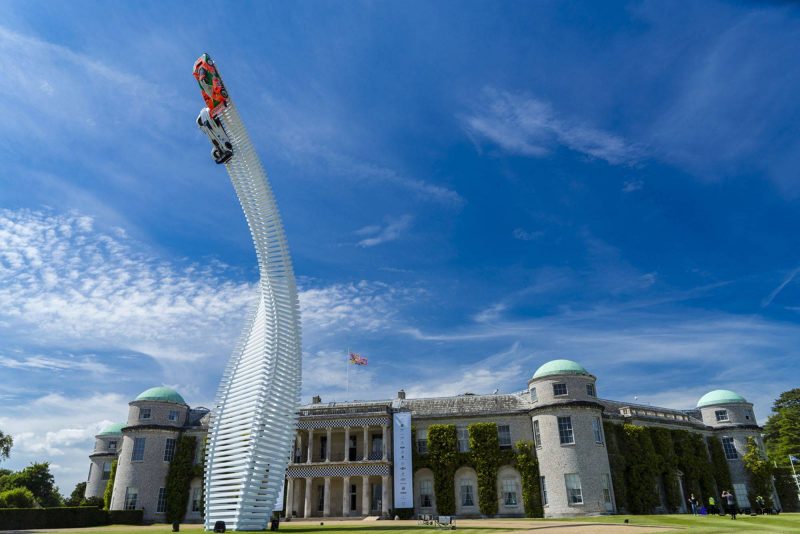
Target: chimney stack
[[316, 399], [401, 394]]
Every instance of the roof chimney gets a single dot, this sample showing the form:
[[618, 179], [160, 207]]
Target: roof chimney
[[401, 394], [316, 399]]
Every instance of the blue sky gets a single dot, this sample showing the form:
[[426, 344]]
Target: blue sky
[[469, 189]]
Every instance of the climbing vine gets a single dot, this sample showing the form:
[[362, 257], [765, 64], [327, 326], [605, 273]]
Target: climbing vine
[[615, 444], [179, 477], [759, 471], [667, 465], [526, 463], [444, 460], [719, 465], [641, 472], [484, 446], [109, 486]]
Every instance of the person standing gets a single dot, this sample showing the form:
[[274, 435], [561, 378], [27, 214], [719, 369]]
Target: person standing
[[693, 504], [729, 499], [712, 506]]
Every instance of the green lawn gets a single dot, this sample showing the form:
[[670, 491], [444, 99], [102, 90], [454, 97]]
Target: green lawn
[[706, 524]]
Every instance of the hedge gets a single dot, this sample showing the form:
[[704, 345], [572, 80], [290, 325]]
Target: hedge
[[484, 447], [528, 467], [109, 491], [444, 460], [179, 477], [72, 517]]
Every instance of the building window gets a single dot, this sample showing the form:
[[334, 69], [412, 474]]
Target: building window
[[565, 430], [740, 492], [509, 493], [730, 450], [144, 413], [169, 449], [598, 430], [504, 436], [112, 445], [353, 495], [323, 447], [467, 497], [574, 493], [131, 496], [321, 498], [607, 488], [463, 440], [559, 389], [161, 506], [537, 437], [173, 415], [590, 390], [422, 441], [196, 498], [199, 453], [138, 450], [543, 484], [534, 398], [426, 494], [106, 471], [377, 447], [721, 415]]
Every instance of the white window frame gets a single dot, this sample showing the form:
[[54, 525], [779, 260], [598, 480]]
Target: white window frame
[[574, 491], [543, 486], [597, 429], [131, 498], [721, 416], [196, 493], [106, 473], [463, 439], [561, 435], [504, 431], [557, 384], [426, 492], [534, 396], [169, 452], [173, 415], [112, 445], [144, 413], [422, 441], [730, 453], [740, 492], [138, 457], [161, 503], [607, 498], [591, 390], [537, 434], [509, 487], [467, 485]]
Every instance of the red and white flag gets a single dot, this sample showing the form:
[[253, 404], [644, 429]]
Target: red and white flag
[[357, 359]]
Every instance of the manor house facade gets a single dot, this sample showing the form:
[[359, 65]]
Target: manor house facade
[[342, 461]]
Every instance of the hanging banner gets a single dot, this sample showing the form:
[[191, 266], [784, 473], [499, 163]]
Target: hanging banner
[[403, 471]]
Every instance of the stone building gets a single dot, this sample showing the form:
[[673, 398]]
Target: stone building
[[343, 465]]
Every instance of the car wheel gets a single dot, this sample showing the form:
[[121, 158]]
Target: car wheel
[[228, 145]]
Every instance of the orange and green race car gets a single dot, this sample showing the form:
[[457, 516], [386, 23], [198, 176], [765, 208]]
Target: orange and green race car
[[214, 93]]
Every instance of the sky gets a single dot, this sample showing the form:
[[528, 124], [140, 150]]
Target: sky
[[469, 190]]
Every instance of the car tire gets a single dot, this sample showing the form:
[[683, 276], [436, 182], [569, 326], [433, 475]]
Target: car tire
[[228, 145]]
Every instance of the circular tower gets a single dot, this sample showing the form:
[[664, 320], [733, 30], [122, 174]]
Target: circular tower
[[732, 419], [570, 444], [106, 447], [149, 440]]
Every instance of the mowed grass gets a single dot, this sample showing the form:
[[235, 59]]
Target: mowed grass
[[701, 524]]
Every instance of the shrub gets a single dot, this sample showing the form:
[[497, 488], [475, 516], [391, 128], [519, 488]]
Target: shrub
[[444, 460], [17, 498], [30, 518], [179, 477], [484, 448], [125, 517], [528, 466], [109, 491]]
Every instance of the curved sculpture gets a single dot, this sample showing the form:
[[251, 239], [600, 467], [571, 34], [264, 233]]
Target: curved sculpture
[[254, 421]]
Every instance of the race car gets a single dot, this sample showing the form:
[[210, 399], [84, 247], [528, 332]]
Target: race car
[[211, 86], [212, 127]]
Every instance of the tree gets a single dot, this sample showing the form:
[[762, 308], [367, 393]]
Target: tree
[[782, 431], [179, 476], [109, 491], [38, 479], [759, 471], [17, 498], [5, 445], [77, 495]]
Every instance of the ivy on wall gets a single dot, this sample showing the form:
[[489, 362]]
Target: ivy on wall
[[179, 477], [109, 491], [484, 447], [759, 472], [719, 465], [640, 471], [526, 463], [443, 457], [617, 459], [667, 465]]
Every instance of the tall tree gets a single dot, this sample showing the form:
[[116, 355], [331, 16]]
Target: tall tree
[[38, 479], [6, 443], [77, 495], [782, 431]]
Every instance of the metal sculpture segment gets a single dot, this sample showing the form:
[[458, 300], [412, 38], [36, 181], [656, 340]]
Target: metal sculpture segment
[[255, 415]]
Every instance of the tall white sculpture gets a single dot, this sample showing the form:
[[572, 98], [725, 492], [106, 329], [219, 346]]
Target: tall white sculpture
[[254, 421]]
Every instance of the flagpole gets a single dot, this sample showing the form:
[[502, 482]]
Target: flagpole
[[347, 365], [794, 475]]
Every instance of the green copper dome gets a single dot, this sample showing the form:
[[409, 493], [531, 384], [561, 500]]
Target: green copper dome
[[112, 430], [720, 396], [560, 367], [161, 394]]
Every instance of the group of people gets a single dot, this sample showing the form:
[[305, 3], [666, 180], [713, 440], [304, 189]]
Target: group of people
[[728, 502]]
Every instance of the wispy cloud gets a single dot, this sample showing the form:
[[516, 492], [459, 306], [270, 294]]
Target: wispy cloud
[[632, 185], [526, 235], [525, 125], [392, 230], [775, 292]]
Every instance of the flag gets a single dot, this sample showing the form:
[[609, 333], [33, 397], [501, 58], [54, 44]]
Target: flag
[[357, 359], [794, 459]]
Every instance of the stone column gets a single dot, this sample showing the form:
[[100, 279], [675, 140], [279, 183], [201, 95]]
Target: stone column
[[289, 498], [386, 437], [307, 504], [366, 442], [326, 498], [365, 496], [298, 445], [347, 444], [310, 445], [345, 496], [328, 445], [385, 495]]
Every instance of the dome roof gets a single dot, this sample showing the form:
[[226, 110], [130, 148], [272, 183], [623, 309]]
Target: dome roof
[[560, 367], [161, 394], [720, 396], [112, 430]]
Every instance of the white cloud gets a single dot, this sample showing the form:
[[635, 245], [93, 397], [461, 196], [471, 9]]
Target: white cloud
[[525, 125], [525, 235], [377, 235], [632, 185]]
